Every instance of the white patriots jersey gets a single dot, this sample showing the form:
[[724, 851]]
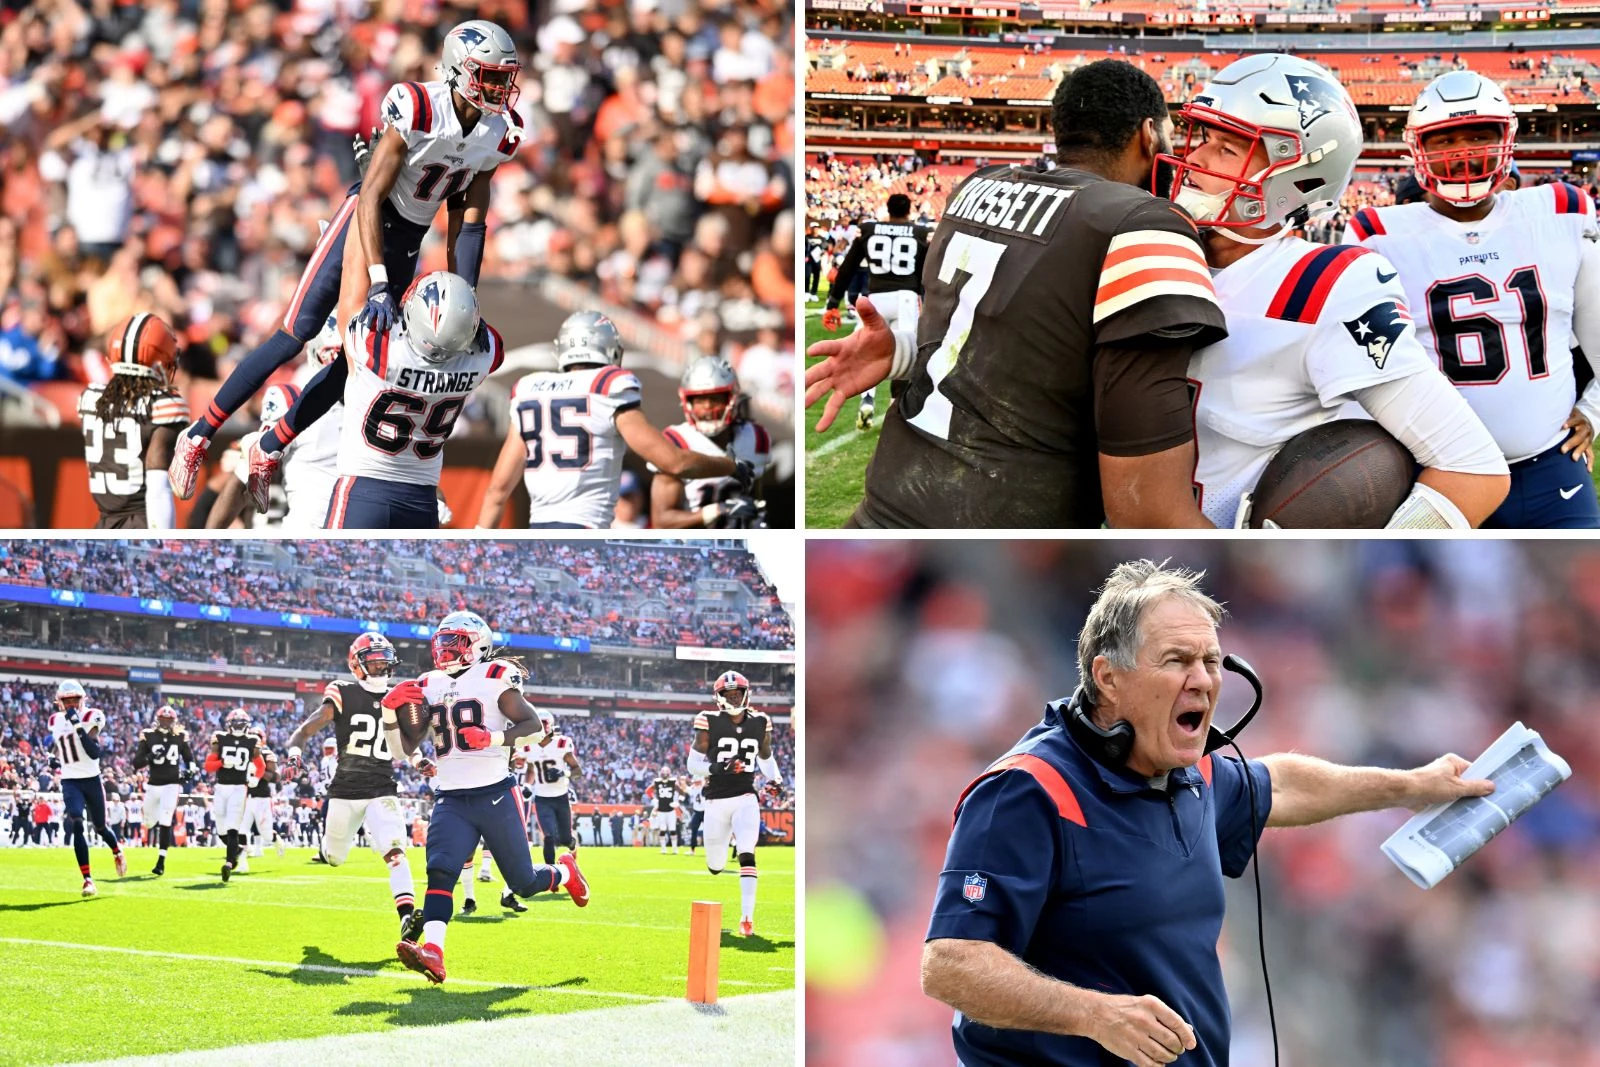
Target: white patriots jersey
[[329, 766], [1493, 300], [67, 745], [441, 161], [310, 464], [469, 698], [549, 765], [750, 442], [568, 422], [1308, 325], [400, 407]]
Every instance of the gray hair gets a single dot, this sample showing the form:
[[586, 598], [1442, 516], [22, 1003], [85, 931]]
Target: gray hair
[[1112, 629]]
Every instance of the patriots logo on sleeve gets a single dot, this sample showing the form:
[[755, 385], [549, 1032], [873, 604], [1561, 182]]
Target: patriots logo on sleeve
[[1314, 97], [1378, 329], [974, 886]]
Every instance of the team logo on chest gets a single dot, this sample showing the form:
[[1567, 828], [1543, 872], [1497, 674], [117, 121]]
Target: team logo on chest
[[1379, 329], [974, 886]]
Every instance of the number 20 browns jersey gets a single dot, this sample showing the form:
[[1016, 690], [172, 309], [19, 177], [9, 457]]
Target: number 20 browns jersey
[[574, 451], [400, 407], [1493, 300]]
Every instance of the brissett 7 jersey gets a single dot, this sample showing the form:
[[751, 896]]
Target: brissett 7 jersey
[[365, 769], [469, 698], [441, 160], [400, 408], [1493, 302]]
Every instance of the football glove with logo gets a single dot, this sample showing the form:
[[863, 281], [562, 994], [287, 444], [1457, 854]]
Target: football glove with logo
[[381, 311], [407, 692]]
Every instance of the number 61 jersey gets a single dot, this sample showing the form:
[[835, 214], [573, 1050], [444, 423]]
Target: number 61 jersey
[[732, 740], [469, 698], [365, 767], [399, 408], [1493, 301]]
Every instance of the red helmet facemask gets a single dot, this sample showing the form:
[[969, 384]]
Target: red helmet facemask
[[498, 92], [1467, 174], [1244, 205]]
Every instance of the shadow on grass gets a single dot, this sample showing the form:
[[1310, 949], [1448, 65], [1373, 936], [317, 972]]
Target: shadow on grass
[[203, 887], [753, 943], [46, 904], [431, 1006]]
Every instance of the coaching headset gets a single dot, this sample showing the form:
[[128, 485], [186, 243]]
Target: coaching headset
[[1111, 745]]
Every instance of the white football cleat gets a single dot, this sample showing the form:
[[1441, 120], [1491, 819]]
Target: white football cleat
[[88, 887], [263, 468]]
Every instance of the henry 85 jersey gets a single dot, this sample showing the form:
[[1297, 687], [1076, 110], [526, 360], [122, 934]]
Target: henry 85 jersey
[[574, 453], [441, 160], [1031, 277], [1308, 325], [399, 408], [1493, 300], [469, 698], [365, 767]]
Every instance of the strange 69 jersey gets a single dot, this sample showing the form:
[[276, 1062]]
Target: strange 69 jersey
[[469, 698], [1494, 302], [441, 160], [1307, 326], [574, 452], [750, 442], [399, 408]]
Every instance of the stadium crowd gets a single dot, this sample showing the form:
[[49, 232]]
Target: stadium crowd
[[177, 157], [620, 755], [356, 579], [929, 660]]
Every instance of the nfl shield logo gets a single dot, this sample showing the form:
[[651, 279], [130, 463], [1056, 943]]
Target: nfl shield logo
[[974, 886]]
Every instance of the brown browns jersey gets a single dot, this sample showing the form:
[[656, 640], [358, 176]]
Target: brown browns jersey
[[366, 767], [165, 751], [115, 449], [731, 740], [894, 253], [238, 751], [1041, 290]]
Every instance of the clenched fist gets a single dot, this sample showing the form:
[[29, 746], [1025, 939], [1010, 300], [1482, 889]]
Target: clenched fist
[[1141, 1030]]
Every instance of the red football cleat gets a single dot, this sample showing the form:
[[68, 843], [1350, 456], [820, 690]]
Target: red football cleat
[[187, 458], [122, 864], [747, 928], [427, 959], [576, 883]]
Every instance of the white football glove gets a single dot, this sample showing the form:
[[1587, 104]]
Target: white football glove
[[1241, 518]]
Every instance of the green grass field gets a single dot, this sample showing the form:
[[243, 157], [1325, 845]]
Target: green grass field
[[295, 950], [836, 461]]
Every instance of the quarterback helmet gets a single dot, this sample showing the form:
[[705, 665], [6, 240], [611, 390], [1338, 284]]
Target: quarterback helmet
[[732, 691], [1291, 111], [372, 660], [441, 315], [710, 377], [587, 337], [1462, 175], [276, 402], [326, 346], [479, 61], [238, 721], [143, 346], [167, 717], [69, 690], [461, 640]]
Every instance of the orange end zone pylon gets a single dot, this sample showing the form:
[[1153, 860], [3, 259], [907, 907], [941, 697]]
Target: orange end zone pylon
[[705, 947]]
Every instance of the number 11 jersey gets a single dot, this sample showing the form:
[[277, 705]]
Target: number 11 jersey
[[568, 421], [1493, 302], [399, 408]]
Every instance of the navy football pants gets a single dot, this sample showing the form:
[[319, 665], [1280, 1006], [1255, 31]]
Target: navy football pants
[[1548, 492]]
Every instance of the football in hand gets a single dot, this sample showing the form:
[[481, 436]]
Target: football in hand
[[1350, 474], [413, 720]]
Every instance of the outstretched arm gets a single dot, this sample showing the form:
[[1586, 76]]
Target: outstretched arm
[[1308, 790], [652, 446], [510, 463]]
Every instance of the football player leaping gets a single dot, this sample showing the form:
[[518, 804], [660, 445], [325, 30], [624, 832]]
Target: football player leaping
[[164, 748], [443, 142], [75, 739], [476, 708], [235, 750], [362, 790], [1501, 281], [412, 380], [1273, 139], [568, 431], [730, 745]]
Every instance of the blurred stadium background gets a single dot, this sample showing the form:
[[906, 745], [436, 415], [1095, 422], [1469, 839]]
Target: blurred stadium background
[[928, 659], [622, 641], [911, 96], [176, 156]]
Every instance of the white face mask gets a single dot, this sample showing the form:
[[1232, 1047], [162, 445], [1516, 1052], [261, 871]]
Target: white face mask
[[375, 683], [1203, 207]]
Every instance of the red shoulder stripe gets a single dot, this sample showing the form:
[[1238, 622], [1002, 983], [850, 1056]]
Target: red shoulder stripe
[[1305, 291], [602, 381], [1367, 224], [497, 345], [676, 438], [422, 109], [763, 441], [495, 670], [1047, 776]]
